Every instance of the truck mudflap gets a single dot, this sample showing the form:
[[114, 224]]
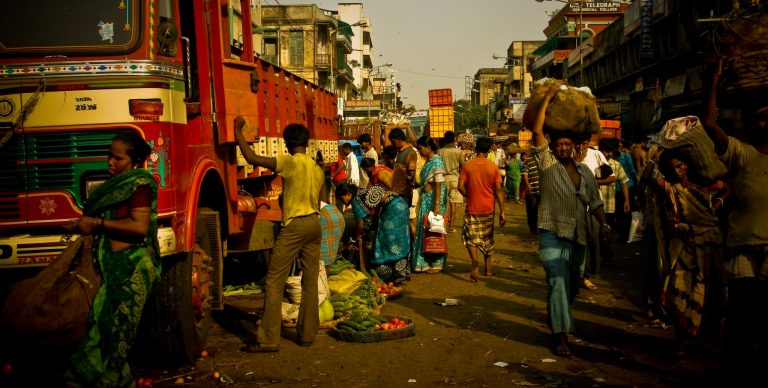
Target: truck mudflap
[[25, 250]]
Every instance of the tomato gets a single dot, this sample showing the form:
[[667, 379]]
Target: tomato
[[385, 326], [204, 353], [394, 321]]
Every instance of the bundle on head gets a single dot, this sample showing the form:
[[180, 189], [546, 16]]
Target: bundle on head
[[571, 109]]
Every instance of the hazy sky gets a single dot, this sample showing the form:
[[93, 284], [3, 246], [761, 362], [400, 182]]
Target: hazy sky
[[434, 44]]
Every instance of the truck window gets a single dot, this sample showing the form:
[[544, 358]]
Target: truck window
[[77, 27]]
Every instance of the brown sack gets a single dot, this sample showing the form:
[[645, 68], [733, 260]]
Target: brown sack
[[570, 110], [51, 309]]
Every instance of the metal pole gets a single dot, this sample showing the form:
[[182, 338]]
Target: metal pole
[[581, 38]]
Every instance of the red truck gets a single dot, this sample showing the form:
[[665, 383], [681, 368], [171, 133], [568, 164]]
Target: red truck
[[73, 74]]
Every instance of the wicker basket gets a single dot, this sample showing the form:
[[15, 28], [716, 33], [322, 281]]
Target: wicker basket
[[377, 335]]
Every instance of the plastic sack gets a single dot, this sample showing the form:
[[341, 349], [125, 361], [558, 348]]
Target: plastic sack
[[290, 312], [293, 289], [571, 109], [636, 227], [687, 135], [346, 282], [436, 223]]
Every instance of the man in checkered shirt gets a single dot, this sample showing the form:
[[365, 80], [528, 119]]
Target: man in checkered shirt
[[568, 189]]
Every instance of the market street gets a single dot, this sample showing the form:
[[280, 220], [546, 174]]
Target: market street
[[501, 319]]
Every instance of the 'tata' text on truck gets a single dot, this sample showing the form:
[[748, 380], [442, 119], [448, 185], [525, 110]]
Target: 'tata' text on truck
[[73, 74]]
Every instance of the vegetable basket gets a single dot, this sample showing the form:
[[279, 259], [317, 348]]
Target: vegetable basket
[[377, 335]]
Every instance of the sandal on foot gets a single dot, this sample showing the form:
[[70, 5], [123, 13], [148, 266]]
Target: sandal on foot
[[562, 350], [589, 285]]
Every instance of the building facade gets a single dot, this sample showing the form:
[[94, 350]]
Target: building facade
[[362, 45], [302, 40], [651, 64], [570, 28]]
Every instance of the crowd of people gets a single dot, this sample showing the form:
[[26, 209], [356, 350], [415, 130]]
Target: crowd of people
[[706, 235], [705, 232]]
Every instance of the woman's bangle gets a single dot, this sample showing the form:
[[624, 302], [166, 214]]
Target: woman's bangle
[[721, 201]]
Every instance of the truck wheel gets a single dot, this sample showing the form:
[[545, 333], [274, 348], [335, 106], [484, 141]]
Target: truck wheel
[[177, 316]]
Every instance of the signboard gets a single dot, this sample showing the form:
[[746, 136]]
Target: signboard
[[517, 112], [595, 6], [675, 86], [513, 101], [646, 29]]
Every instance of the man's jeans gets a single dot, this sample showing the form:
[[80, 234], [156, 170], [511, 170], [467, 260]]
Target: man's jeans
[[563, 262]]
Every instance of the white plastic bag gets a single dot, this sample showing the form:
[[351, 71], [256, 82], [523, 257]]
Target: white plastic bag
[[293, 289], [636, 228], [436, 223]]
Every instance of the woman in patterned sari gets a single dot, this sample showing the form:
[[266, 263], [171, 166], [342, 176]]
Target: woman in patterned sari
[[432, 196], [385, 214], [694, 291], [121, 214]]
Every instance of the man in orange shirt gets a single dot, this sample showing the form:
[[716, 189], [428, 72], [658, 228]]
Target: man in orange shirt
[[480, 182]]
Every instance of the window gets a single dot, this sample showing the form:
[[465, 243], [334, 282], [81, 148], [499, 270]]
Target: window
[[270, 50], [296, 48]]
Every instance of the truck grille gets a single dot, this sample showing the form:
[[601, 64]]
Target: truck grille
[[61, 169], [9, 207]]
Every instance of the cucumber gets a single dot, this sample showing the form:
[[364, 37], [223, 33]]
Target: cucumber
[[345, 328], [354, 325]]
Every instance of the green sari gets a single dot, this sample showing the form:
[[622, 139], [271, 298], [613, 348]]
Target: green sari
[[101, 358]]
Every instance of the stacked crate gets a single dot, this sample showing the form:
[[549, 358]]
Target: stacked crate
[[440, 112]]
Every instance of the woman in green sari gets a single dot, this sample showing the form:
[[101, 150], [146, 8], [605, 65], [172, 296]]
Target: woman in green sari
[[431, 198], [121, 214]]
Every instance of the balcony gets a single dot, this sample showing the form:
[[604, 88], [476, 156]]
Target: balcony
[[344, 42], [323, 61]]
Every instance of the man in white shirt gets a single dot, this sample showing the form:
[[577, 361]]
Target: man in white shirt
[[366, 143], [350, 164], [593, 158]]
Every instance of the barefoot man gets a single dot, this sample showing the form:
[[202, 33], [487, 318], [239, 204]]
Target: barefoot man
[[480, 182]]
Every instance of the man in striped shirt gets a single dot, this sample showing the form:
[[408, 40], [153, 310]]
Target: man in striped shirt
[[531, 184], [567, 190]]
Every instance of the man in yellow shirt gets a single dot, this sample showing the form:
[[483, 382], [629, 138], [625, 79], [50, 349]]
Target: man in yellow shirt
[[299, 237]]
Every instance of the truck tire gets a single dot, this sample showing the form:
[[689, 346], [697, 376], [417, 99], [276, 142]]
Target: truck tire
[[175, 325]]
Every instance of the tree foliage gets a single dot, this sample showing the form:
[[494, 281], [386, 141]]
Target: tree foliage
[[470, 116]]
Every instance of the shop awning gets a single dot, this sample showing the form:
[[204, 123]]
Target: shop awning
[[345, 28], [555, 43]]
